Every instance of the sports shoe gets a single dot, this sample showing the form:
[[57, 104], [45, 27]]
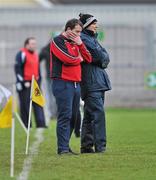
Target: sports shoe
[[89, 150]]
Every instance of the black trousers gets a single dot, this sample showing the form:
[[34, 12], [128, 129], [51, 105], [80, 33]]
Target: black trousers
[[75, 124], [93, 126], [24, 98]]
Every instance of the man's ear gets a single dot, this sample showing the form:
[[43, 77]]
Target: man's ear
[[68, 29]]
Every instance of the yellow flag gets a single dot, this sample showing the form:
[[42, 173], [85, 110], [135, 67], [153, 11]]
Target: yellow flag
[[37, 96], [6, 115]]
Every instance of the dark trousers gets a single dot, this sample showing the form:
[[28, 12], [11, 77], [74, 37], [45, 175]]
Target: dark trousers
[[24, 97], [50, 99], [67, 96], [76, 123], [93, 126]]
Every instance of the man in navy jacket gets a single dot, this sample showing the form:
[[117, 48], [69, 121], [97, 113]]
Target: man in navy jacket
[[95, 82]]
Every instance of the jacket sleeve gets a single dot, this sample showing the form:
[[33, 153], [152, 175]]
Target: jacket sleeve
[[40, 78], [85, 53], [100, 56], [45, 53], [59, 49], [19, 66]]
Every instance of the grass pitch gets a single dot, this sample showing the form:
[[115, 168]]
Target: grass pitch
[[130, 155]]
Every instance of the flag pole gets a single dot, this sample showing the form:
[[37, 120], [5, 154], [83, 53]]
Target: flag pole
[[20, 121], [12, 138], [29, 120], [15, 113], [12, 148]]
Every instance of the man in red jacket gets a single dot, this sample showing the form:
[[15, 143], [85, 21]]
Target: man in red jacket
[[26, 65], [67, 53]]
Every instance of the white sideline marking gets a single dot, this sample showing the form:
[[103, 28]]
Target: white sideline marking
[[32, 152]]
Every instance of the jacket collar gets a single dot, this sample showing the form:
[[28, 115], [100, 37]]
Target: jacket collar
[[90, 33], [27, 50]]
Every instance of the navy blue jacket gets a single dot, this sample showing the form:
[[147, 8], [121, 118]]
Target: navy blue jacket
[[94, 76]]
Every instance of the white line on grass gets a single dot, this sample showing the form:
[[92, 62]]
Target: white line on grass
[[32, 152]]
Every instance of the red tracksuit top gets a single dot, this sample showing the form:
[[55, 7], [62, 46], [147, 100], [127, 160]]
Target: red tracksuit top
[[65, 59]]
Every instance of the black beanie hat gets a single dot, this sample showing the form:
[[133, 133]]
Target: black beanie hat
[[87, 19]]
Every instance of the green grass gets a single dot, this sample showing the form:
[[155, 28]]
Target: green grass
[[20, 143], [131, 152], [130, 155]]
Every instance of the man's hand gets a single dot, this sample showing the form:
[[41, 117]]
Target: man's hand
[[27, 84], [75, 38], [78, 40], [81, 58]]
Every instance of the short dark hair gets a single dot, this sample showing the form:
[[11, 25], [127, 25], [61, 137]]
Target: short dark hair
[[27, 40], [72, 23]]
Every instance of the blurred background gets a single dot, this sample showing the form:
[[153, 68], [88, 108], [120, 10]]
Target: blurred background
[[127, 29]]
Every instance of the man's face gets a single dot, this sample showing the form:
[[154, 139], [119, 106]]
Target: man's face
[[93, 27], [77, 30], [32, 45]]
